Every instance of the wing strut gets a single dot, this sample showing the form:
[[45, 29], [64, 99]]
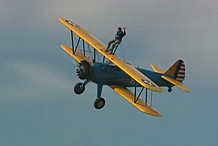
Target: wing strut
[[94, 54], [136, 97], [146, 97], [84, 53], [72, 41], [77, 43], [72, 45]]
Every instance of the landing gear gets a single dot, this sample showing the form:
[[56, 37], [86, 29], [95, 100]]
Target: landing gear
[[79, 88], [169, 89], [99, 103]]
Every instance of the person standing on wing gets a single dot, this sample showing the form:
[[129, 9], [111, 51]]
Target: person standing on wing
[[118, 39]]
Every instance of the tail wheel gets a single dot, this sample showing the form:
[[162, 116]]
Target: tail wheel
[[79, 88], [169, 89], [99, 103], [83, 70]]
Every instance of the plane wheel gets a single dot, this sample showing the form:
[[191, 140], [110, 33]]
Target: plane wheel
[[79, 88], [99, 103], [170, 90]]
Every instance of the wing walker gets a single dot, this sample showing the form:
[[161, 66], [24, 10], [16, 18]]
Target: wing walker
[[119, 75]]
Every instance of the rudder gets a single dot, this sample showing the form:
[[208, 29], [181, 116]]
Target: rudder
[[177, 71]]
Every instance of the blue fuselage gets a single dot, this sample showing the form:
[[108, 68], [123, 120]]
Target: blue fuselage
[[107, 74]]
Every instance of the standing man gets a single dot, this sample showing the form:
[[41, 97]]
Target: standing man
[[118, 39]]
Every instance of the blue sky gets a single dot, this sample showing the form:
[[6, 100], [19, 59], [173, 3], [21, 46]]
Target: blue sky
[[38, 107]]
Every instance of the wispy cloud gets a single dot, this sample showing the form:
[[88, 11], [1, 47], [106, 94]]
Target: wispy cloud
[[22, 80], [40, 75]]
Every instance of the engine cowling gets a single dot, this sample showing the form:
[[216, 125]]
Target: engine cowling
[[84, 70]]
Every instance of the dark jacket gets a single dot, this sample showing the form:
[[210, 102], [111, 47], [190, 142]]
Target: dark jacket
[[120, 34]]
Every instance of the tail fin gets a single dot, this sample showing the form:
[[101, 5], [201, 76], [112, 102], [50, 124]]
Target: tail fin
[[177, 71], [176, 74]]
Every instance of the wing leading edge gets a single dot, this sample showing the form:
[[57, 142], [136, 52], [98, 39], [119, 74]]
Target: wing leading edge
[[140, 104], [100, 47]]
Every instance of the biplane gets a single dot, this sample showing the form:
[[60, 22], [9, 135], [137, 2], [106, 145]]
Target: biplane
[[119, 75]]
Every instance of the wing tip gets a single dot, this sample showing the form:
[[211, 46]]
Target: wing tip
[[188, 90], [154, 114], [63, 46], [61, 19], [151, 111]]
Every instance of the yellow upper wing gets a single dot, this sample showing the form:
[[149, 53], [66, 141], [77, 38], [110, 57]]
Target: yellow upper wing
[[140, 104], [98, 45]]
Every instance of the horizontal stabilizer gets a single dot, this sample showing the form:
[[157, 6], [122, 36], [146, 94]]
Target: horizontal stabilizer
[[140, 104], [176, 83], [157, 68]]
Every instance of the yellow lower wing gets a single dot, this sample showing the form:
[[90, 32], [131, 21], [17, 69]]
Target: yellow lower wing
[[78, 56], [140, 104]]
